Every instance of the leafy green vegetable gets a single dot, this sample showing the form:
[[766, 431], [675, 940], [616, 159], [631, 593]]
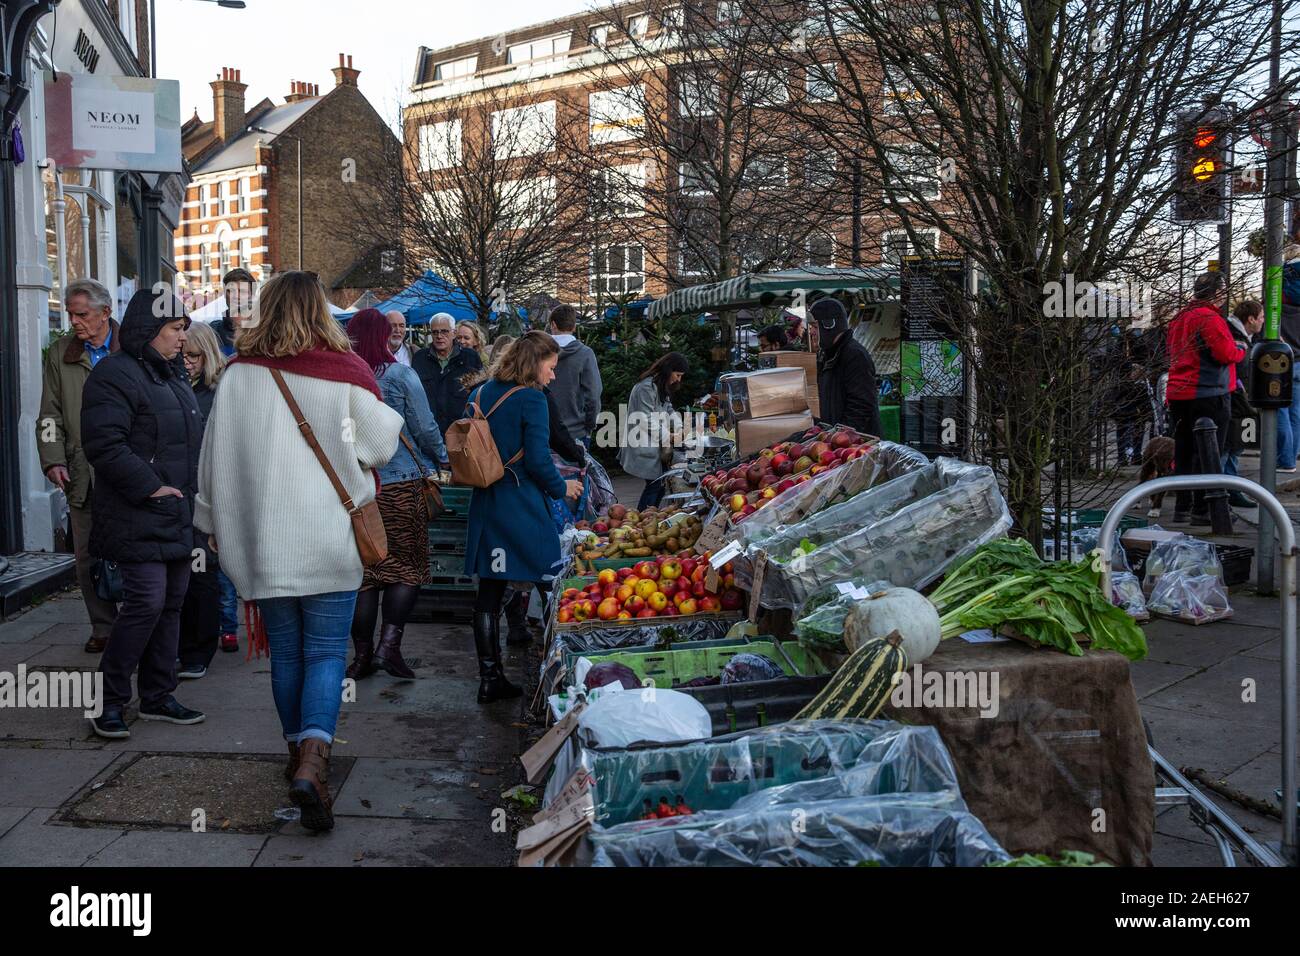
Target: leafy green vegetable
[[1067, 858], [1005, 582]]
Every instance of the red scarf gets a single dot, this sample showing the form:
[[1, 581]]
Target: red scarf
[[320, 363]]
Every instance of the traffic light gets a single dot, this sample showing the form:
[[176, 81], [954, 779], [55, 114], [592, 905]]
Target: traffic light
[[1201, 159]]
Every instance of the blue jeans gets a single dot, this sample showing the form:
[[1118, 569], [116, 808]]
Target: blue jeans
[[1288, 426], [308, 638], [1228, 463], [229, 604]]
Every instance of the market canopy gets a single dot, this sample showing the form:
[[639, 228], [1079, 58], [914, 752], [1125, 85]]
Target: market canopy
[[429, 295], [777, 288]]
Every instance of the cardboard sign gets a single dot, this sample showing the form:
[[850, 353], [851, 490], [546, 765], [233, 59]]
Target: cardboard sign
[[760, 567], [571, 815], [541, 755], [578, 784], [711, 580], [712, 534]]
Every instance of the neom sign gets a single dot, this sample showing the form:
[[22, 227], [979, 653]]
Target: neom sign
[[86, 52]]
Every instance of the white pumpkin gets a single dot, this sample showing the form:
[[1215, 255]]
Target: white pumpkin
[[897, 609]]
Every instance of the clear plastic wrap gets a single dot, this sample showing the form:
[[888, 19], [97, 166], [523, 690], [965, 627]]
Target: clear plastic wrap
[[907, 531], [1126, 592], [1195, 597], [600, 488], [883, 462], [1083, 541], [1190, 556], [896, 829], [820, 622], [807, 793], [651, 713]]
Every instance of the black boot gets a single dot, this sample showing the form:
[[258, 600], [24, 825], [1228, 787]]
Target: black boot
[[363, 634], [517, 619], [492, 683], [389, 652]]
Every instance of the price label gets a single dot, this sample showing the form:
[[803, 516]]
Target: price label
[[845, 587], [983, 636], [726, 554]]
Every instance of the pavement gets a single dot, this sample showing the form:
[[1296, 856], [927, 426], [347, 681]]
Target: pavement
[[420, 768]]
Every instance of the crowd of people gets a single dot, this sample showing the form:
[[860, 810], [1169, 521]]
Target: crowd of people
[[168, 541]]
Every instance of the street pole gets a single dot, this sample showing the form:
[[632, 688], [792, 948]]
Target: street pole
[[299, 204], [1266, 546]]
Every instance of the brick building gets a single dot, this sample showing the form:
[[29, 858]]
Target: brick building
[[242, 207], [561, 73]]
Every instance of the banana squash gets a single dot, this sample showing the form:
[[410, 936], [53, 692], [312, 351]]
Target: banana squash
[[862, 685]]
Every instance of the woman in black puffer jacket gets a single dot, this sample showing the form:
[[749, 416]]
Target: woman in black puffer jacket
[[141, 428]]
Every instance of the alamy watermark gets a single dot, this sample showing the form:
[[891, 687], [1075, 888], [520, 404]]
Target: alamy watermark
[[1084, 299], [79, 690], [921, 688]]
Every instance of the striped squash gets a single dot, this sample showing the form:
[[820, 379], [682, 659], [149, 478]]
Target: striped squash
[[862, 685]]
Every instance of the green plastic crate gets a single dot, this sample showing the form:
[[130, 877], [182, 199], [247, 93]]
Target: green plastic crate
[[455, 501], [677, 665], [447, 536]]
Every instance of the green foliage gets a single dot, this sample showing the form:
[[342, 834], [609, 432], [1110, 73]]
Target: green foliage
[[625, 347]]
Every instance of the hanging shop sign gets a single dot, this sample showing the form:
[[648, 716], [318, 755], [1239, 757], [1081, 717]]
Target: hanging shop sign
[[113, 122]]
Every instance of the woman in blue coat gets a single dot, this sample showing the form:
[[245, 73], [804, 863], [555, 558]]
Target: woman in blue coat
[[511, 535]]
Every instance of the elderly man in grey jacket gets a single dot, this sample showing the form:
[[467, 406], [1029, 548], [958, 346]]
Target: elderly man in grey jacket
[[577, 387]]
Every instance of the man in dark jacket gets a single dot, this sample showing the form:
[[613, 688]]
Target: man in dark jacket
[[577, 385], [846, 376], [142, 434], [239, 287], [441, 366]]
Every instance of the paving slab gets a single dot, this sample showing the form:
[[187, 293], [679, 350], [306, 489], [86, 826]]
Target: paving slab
[[67, 608], [1201, 645], [1150, 676], [246, 731], [1218, 691], [23, 628], [359, 841], [11, 655], [1200, 740], [9, 817], [46, 778], [179, 848], [420, 789], [35, 841], [427, 736]]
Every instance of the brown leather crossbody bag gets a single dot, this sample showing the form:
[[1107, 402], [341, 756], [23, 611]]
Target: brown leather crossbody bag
[[428, 483], [367, 524]]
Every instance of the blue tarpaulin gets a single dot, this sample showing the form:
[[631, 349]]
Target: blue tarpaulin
[[429, 295]]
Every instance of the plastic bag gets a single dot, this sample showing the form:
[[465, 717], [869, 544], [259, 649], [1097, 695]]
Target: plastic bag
[[1196, 596], [616, 720], [600, 489], [749, 667], [1186, 554], [821, 619], [1126, 592], [907, 531]]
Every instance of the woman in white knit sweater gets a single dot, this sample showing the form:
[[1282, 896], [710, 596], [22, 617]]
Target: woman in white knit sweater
[[282, 534]]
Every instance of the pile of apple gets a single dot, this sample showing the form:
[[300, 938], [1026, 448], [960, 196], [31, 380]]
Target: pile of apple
[[778, 468], [669, 586]]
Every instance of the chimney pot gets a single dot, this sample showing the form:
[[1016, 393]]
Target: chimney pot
[[341, 63], [228, 104], [349, 61]]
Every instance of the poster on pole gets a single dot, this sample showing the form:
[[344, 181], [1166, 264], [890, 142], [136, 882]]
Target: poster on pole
[[932, 381], [113, 122]]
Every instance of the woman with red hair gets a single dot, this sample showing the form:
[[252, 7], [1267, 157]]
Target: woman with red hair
[[398, 577]]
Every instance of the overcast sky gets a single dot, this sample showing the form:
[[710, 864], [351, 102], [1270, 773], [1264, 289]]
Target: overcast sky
[[275, 41]]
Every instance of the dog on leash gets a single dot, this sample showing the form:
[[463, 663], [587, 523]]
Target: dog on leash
[[1157, 462]]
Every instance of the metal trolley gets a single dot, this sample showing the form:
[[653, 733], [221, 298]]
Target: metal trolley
[[1177, 789]]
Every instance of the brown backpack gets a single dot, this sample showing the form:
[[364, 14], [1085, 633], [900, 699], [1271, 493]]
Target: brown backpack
[[475, 460]]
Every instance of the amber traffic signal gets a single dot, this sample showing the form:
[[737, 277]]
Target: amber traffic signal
[[1200, 168]]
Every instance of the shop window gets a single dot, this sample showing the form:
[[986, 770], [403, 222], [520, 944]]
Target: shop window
[[617, 270]]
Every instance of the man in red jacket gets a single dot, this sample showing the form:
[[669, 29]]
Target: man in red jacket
[[1202, 357]]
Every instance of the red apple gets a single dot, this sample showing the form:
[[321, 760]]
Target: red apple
[[608, 609], [803, 463], [646, 612], [647, 569], [796, 451], [671, 568], [710, 603]]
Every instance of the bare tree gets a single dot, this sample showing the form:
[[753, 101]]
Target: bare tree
[[492, 194], [689, 107], [1035, 140]]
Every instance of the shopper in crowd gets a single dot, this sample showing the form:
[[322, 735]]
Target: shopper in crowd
[[201, 612], [441, 366], [396, 580], [647, 449], [397, 338], [238, 288], [469, 335], [68, 362], [274, 515], [142, 431], [1129, 396], [511, 536], [772, 339], [846, 375], [1245, 322], [577, 385], [1288, 419], [1201, 356]]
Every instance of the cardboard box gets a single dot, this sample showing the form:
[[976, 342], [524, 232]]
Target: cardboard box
[[767, 392], [795, 359], [814, 402], [755, 433]]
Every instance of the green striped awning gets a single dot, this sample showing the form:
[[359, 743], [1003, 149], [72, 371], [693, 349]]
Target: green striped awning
[[777, 288]]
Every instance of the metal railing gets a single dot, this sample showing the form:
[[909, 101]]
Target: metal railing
[[1287, 546]]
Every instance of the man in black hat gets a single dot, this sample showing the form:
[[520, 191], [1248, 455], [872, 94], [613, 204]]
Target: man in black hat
[[846, 376]]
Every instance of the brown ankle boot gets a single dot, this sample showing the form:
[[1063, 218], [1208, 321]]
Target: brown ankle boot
[[310, 788], [389, 652], [292, 766]]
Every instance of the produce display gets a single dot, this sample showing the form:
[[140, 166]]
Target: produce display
[[667, 586], [907, 532], [755, 483], [862, 685], [1051, 603], [624, 533], [900, 611], [820, 624]]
